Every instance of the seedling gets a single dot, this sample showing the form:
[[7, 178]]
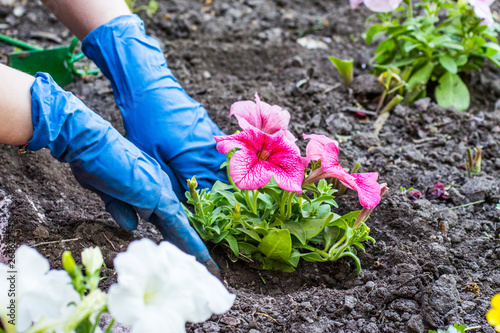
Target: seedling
[[345, 68], [473, 161]]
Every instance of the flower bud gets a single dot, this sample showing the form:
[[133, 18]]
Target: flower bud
[[237, 210], [192, 184], [92, 260], [69, 263]]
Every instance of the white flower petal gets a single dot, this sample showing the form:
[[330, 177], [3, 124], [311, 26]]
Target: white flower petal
[[165, 285]]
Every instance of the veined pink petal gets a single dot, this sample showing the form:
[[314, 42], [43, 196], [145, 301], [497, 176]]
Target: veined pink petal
[[368, 189], [355, 3], [382, 6], [247, 172], [364, 183], [262, 156], [330, 157], [315, 147], [262, 116]]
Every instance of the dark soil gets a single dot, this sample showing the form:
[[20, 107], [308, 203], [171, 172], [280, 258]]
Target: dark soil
[[433, 265]]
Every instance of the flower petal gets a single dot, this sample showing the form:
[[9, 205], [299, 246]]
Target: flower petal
[[247, 172], [355, 3], [483, 11], [317, 144], [261, 157], [382, 6], [368, 189], [247, 113], [274, 118]]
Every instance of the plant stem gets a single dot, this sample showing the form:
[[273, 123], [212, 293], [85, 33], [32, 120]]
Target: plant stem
[[472, 328], [255, 194], [108, 328], [461, 206], [249, 202], [289, 206], [322, 253], [98, 319], [395, 101]]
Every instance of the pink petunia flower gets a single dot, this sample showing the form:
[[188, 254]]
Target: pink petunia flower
[[379, 6], [482, 10], [262, 116], [364, 183], [317, 144], [260, 157]]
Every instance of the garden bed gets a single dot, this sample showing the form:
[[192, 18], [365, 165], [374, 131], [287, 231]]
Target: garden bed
[[431, 265]]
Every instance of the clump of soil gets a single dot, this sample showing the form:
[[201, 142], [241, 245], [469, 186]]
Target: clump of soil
[[433, 264]]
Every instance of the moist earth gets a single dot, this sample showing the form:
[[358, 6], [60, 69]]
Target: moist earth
[[434, 263]]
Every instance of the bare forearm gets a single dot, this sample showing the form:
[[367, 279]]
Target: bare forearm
[[16, 127], [81, 17]]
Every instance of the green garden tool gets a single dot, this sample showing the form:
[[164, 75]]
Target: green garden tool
[[58, 62]]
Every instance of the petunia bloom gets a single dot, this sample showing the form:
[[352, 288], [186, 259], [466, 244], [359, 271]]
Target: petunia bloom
[[364, 183], [260, 157], [493, 314], [267, 118], [482, 10], [160, 288], [379, 6], [42, 294]]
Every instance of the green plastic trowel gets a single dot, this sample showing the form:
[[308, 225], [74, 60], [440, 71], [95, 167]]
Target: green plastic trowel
[[58, 62]]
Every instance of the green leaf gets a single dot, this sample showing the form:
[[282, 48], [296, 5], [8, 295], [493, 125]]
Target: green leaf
[[461, 60], [297, 230], [247, 248], [491, 48], [254, 235], [219, 237], [345, 68], [422, 75], [448, 63], [277, 245], [233, 244], [268, 263], [312, 256], [375, 29], [313, 227], [331, 235], [452, 91]]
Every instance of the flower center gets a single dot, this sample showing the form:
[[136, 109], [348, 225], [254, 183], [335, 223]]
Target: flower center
[[263, 155]]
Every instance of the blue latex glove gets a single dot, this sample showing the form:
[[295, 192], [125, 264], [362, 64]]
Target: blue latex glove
[[159, 116], [102, 160]]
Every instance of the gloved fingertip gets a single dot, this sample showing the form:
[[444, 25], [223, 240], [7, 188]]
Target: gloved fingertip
[[123, 214], [213, 268]]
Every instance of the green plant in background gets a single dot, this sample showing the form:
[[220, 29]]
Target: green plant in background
[[345, 68], [430, 43], [151, 8]]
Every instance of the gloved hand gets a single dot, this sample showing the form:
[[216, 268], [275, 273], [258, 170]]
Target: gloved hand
[[159, 116], [107, 163]]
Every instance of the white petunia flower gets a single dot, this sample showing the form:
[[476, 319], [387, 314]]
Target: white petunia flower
[[160, 288], [39, 292]]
